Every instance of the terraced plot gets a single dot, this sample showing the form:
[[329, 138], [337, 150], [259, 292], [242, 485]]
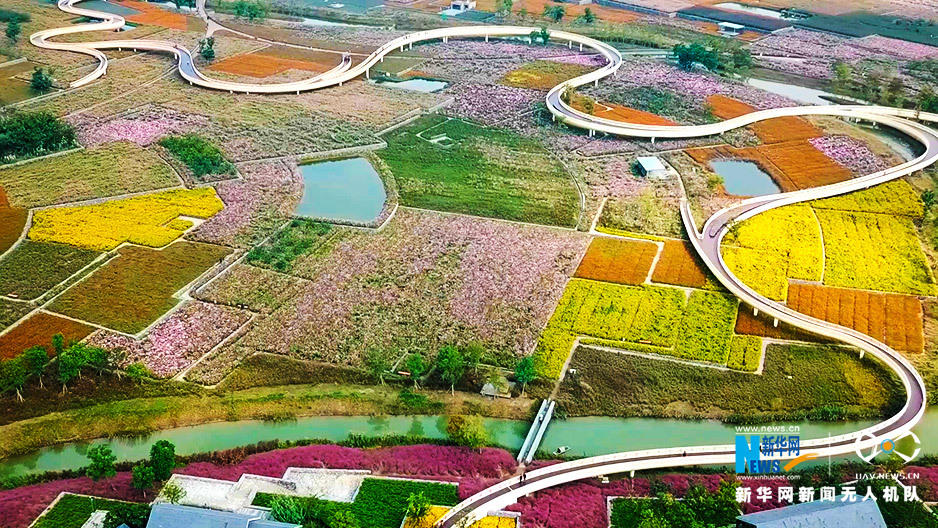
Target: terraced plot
[[616, 260], [108, 170], [679, 265], [38, 330], [893, 319], [136, 288], [453, 165]]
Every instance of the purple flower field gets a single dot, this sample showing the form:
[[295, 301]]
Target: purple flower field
[[182, 338], [451, 278], [850, 153]]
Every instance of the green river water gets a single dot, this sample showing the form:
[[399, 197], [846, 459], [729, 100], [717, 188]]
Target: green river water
[[584, 436]]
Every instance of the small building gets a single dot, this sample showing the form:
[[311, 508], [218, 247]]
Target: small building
[[504, 391], [651, 167], [818, 514], [462, 5], [175, 516], [729, 29]]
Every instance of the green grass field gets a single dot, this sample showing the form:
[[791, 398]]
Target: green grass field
[[798, 382], [479, 171]]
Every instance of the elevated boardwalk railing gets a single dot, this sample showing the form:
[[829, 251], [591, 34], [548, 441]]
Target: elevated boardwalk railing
[[536, 433]]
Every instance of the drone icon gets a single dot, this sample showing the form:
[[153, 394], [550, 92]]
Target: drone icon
[[886, 445]]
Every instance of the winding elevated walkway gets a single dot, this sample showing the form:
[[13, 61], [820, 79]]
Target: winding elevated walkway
[[706, 243]]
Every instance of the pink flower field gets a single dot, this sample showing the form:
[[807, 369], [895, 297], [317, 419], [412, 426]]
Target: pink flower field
[[143, 127], [850, 153], [181, 339], [455, 278]]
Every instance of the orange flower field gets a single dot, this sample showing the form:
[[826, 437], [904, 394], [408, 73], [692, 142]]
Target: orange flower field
[[892, 318], [38, 329], [619, 261], [679, 265]]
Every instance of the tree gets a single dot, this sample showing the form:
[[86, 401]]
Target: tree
[[36, 359], [416, 366], [588, 16], [207, 48], [554, 13], [173, 493], [58, 344], [13, 375], [288, 509], [540, 35], [927, 100], [894, 93], [343, 519], [41, 81], [452, 366], [928, 198], [70, 362], [467, 430], [137, 371], [504, 8], [525, 372], [13, 29], [418, 508], [162, 459], [376, 364], [843, 74], [141, 476], [101, 464], [98, 360], [688, 56], [250, 10], [33, 133], [473, 353]]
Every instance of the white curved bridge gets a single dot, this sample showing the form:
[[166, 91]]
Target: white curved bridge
[[707, 243]]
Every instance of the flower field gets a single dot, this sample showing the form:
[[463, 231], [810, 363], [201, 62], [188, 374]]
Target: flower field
[[770, 131], [108, 170], [479, 171], [254, 206], [745, 353], [850, 153], [864, 311], [652, 319], [251, 288], [11, 312], [143, 220], [680, 266], [33, 268], [136, 288], [775, 246], [176, 342], [896, 198], [763, 326], [543, 74], [38, 329], [12, 222], [492, 104], [436, 512], [874, 252], [814, 377], [142, 127], [458, 279], [616, 260], [260, 64]]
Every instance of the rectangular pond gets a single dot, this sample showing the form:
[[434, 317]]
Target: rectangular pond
[[347, 190], [744, 178], [416, 84]]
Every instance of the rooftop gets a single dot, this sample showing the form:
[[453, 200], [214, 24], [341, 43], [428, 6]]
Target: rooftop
[[175, 516], [817, 514]]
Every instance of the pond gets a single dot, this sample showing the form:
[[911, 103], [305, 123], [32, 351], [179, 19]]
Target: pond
[[416, 84], [761, 11], [108, 7], [586, 436], [350, 6], [744, 178], [13, 90], [347, 190], [794, 92]]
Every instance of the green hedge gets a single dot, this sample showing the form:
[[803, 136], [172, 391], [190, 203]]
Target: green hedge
[[33, 134], [73, 510], [200, 155]]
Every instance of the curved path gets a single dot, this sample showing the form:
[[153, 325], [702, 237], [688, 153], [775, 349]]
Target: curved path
[[707, 243]]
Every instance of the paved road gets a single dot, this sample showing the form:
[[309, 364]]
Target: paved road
[[707, 243]]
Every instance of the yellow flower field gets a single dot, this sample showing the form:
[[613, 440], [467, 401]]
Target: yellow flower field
[[151, 220], [438, 511], [775, 246]]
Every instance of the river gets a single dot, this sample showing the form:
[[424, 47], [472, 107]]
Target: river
[[586, 436]]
